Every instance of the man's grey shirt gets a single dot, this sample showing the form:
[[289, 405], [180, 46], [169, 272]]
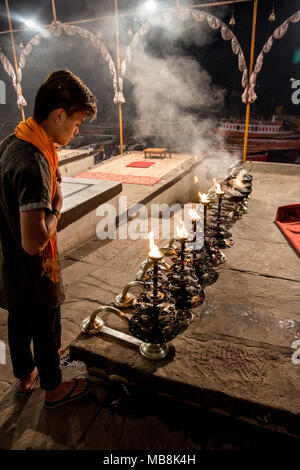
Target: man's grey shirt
[[25, 184]]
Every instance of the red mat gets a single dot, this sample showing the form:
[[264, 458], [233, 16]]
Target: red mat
[[288, 220], [141, 164], [129, 179]]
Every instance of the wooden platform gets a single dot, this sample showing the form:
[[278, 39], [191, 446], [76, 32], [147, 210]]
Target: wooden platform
[[156, 152]]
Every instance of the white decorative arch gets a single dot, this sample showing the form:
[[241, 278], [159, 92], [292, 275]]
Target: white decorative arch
[[2, 92], [9, 69], [183, 14], [2, 352], [56, 29], [249, 94]]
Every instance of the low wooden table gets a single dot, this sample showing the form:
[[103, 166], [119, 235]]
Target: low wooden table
[[158, 152]]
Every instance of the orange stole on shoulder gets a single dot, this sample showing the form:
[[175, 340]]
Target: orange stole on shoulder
[[32, 132]]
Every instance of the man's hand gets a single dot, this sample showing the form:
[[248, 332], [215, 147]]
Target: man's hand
[[58, 175], [37, 228], [58, 198]]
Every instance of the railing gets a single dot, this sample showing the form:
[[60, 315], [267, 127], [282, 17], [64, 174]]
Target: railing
[[259, 128]]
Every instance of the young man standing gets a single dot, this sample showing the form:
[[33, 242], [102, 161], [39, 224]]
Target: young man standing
[[30, 204]]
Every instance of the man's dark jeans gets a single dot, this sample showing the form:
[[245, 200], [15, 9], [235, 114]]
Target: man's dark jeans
[[42, 325]]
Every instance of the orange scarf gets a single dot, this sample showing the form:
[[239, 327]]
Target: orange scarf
[[32, 132]]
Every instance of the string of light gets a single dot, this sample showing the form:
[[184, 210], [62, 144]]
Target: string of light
[[123, 15]]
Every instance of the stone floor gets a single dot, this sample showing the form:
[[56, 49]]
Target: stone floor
[[161, 167], [235, 357]]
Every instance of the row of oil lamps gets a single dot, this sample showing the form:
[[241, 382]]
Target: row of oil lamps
[[169, 292]]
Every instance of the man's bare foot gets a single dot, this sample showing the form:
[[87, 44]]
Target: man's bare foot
[[25, 384], [64, 388]]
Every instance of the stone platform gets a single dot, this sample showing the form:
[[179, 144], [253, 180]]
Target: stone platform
[[78, 216], [71, 162], [83, 195], [236, 356]]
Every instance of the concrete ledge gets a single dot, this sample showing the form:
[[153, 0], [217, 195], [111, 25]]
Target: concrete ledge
[[86, 200], [72, 162], [176, 187], [277, 168], [78, 221], [189, 376]]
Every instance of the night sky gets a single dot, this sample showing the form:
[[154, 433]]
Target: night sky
[[215, 55]]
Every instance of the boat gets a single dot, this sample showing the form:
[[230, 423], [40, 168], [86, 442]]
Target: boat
[[264, 138]]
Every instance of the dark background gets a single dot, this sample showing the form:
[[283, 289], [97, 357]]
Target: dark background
[[72, 52]]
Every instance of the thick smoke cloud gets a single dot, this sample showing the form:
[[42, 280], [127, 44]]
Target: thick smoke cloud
[[176, 102], [173, 90]]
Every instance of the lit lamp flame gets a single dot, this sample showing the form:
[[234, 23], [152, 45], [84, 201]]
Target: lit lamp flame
[[154, 250], [203, 198], [196, 180], [218, 188], [181, 231], [238, 183], [194, 214]]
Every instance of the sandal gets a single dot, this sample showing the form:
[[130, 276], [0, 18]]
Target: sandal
[[68, 397], [23, 394]]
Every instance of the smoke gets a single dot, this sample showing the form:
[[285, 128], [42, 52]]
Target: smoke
[[177, 105], [174, 90]]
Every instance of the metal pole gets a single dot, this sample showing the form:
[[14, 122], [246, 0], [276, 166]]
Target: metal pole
[[54, 11], [118, 73], [14, 52], [250, 73]]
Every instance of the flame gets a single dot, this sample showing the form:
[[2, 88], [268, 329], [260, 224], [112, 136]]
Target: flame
[[218, 188], [154, 250], [194, 214], [203, 197], [238, 183], [196, 180], [181, 231]]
